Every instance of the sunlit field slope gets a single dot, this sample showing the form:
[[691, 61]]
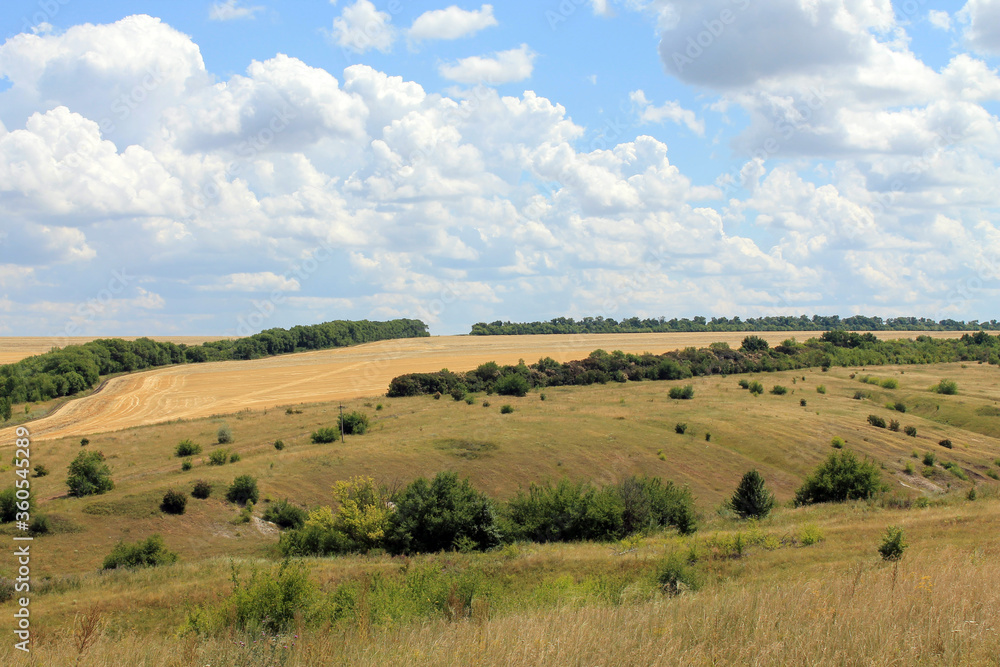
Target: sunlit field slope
[[200, 390], [778, 599]]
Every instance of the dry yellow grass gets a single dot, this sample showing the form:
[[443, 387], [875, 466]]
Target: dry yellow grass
[[834, 603], [200, 390], [15, 348]]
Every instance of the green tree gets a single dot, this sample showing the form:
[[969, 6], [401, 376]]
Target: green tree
[[6, 411], [841, 477], [89, 474], [752, 500], [443, 514], [754, 344]]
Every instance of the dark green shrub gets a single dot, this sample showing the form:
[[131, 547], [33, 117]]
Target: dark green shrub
[[89, 474], [946, 443], [566, 512], [675, 574], [218, 457], [837, 442], [685, 392], [224, 435], [860, 395], [744, 384], [84, 442], [486, 404], [186, 448], [470, 399], [378, 407], [708, 437], [876, 421], [993, 474], [821, 389], [506, 409], [753, 344], [778, 390], [40, 525], [186, 464], [945, 387], [542, 396], [234, 457], [243, 490], [149, 553], [929, 458], [41, 470], [458, 393], [841, 477], [174, 502], [279, 444], [910, 431], [889, 383], [443, 514], [10, 504], [892, 546], [752, 500], [893, 425], [355, 423], [756, 388], [802, 402], [285, 514], [649, 503], [514, 384], [899, 407], [201, 490], [680, 428], [324, 435]]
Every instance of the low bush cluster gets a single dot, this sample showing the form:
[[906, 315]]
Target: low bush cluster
[[144, 553], [447, 513], [685, 392], [841, 477], [186, 448]]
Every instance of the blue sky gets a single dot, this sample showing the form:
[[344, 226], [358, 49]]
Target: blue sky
[[223, 167]]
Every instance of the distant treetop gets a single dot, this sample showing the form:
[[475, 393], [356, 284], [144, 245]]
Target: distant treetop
[[567, 325]]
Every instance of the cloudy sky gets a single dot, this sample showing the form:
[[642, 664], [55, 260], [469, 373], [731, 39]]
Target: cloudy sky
[[194, 167]]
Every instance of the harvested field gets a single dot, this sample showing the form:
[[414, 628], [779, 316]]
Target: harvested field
[[201, 390], [14, 348]]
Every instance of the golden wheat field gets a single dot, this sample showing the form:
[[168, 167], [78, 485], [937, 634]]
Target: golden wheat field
[[202, 390]]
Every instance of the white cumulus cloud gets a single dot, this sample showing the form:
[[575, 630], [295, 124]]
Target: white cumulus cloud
[[231, 10], [361, 27], [451, 23], [505, 67], [671, 110]]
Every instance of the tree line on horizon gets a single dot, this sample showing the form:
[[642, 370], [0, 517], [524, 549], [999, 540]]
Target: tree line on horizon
[[567, 325], [75, 368], [833, 348]]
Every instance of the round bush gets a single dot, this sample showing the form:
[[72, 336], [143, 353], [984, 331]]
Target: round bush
[[174, 502], [224, 435], [243, 490], [201, 490]]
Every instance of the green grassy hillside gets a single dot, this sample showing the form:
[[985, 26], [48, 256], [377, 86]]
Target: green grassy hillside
[[599, 433]]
